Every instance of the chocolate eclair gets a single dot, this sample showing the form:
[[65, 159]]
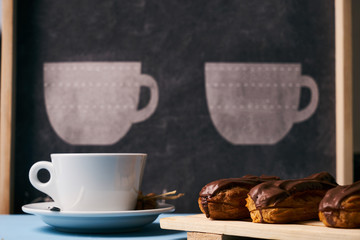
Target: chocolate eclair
[[286, 201], [341, 207], [225, 198]]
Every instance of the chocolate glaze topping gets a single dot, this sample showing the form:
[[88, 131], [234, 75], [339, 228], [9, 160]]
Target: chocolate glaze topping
[[212, 188], [247, 181], [271, 193], [323, 176], [334, 197]]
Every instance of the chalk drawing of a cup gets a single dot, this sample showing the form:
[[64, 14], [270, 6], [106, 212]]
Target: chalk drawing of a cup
[[257, 103], [96, 103]]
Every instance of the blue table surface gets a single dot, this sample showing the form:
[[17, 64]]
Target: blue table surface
[[28, 227]]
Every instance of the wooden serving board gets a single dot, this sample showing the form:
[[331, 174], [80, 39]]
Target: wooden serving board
[[305, 230]]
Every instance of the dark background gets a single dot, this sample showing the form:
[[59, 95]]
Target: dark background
[[173, 39]]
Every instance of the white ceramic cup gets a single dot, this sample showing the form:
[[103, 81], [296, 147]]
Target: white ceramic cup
[[92, 181]]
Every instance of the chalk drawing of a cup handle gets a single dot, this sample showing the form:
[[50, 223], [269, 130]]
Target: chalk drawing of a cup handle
[[307, 81], [147, 81]]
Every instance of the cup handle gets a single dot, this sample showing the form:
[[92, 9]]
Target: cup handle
[[48, 187], [307, 81], [144, 113]]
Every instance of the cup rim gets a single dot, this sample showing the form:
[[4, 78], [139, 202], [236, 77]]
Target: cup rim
[[98, 154]]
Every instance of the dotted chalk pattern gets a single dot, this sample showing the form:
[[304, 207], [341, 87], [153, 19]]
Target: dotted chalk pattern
[[242, 68]]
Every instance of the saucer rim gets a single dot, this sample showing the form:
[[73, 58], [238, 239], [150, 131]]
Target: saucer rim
[[41, 208]]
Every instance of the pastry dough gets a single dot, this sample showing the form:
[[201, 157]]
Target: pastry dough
[[225, 198], [286, 201], [341, 207]]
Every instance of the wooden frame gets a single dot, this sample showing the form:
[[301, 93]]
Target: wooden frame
[[343, 59], [7, 113], [343, 53]]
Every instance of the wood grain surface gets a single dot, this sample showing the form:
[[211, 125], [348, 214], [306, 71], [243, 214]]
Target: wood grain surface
[[303, 230]]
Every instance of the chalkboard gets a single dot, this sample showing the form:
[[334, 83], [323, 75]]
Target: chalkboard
[[196, 133]]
